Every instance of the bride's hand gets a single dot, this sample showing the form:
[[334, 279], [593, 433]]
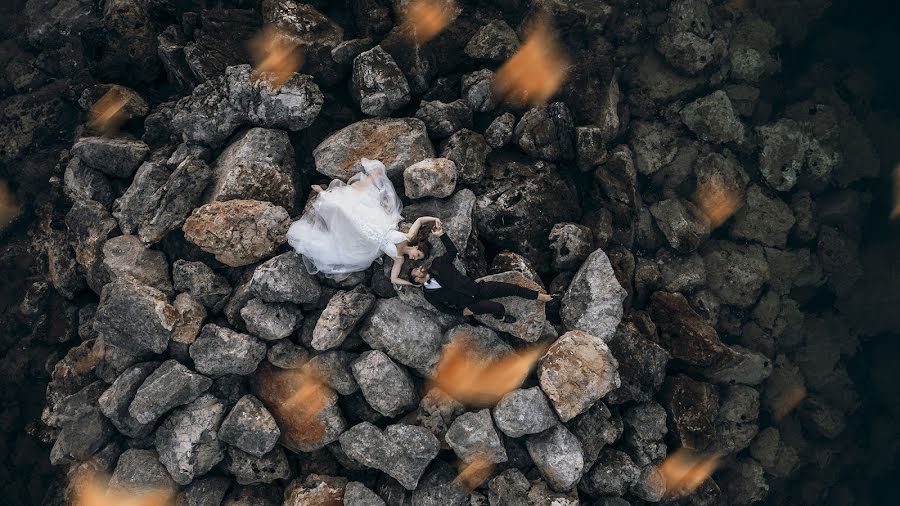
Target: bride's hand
[[438, 229]]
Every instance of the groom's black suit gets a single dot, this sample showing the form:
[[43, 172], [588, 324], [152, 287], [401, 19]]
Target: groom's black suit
[[459, 292]]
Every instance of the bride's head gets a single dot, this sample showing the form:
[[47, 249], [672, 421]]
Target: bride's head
[[418, 247]]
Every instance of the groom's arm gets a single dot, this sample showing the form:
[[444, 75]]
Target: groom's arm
[[452, 252]]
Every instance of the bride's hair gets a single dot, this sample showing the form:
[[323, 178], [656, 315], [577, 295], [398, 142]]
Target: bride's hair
[[421, 239]]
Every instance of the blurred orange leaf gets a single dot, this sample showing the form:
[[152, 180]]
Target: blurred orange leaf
[[424, 19], [536, 71], [717, 201], [685, 470], [276, 55], [9, 207], [474, 472], [108, 114]]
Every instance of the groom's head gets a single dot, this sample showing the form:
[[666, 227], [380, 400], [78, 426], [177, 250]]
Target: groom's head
[[419, 275]]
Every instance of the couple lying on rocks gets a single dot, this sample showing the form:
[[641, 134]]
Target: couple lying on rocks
[[351, 224]]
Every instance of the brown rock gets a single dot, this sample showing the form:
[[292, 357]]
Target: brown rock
[[692, 407], [238, 232]]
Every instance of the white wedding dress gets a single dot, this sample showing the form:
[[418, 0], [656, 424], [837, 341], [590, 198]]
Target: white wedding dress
[[350, 224]]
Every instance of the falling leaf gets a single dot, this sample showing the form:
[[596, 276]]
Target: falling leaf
[[685, 470], [9, 208], [424, 19], [475, 378], [277, 56], [295, 397], [109, 114], [787, 400], [717, 201], [896, 211], [90, 488], [736, 5], [473, 472], [536, 71]]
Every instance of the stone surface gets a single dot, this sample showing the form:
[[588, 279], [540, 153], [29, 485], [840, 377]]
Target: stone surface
[[204, 285], [654, 145], [735, 273], [169, 385], [116, 157], [576, 371], [82, 182], [612, 474], [530, 314], [385, 385], [558, 456], [273, 321], [468, 150], [249, 469], [89, 226], [378, 85], [763, 219], [125, 257], [238, 232], [494, 42], [219, 351], [284, 279], [593, 300], [431, 177], [683, 224], [191, 315], [642, 364], [250, 427], [524, 411], [547, 132], [473, 436], [173, 201], [571, 244], [315, 490], [788, 156], [500, 131], [408, 335], [344, 311], [204, 492], [477, 90], [442, 119], [692, 407], [117, 398], [135, 316], [187, 440], [401, 451], [713, 119], [140, 471], [357, 494]]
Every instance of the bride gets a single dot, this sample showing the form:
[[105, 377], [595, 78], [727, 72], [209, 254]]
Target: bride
[[351, 224]]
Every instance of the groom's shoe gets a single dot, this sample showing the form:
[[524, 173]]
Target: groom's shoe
[[508, 318]]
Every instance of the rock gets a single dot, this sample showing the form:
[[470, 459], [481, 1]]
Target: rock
[[477, 90], [125, 257], [316, 490], [456, 213], [401, 451], [440, 486], [571, 244], [681, 273], [117, 398], [81, 438], [686, 335], [650, 485], [743, 482], [89, 226], [135, 317], [740, 404], [187, 442], [506, 261], [191, 315], [642, 364], [408, 335], [576, 371], [285, 279], [238, 232], [356, 494], [777, 458], [558, 456], [593, 300], [271, 322], [302, 23], [116, 157], [547, 132], [431, 177], [257, 495], [500, 131], [257, 165], [442, 119], [713, 119], [472, 437], [240, 296], [177, 198], [170, 385], [378, 86], [735, 273], [395, 142], [529, 313], [249, 469], [250, 427], [654, 145], [84, 183], [468, 151], [840, 259], [590, 147], [204, 492], [763, 219], [219, 351], [218, 107], [682, 223], [205, 286], [384, 384], [286, 355], [692, 407], [494, 42], [613, 474], [788, 156], [344, 311], [140, 471], [524, 411], [596, 428], [686, 51]]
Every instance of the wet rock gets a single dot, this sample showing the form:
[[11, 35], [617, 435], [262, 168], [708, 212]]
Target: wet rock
[[547, 132], [472, 436], [250, 427], [125, 257], [408, 335], [395, 142], [431, 177], [271, 322], [443, 119], [735, 273], [576, 371], [238, 232], [116, 157], [593, 301], [117, 398], [494, 42], [401, 451], [378, 86], [218, 107], [249, 469], [692, 407], [219, 351], [642, 364], [682, 223], [530, 314], [316, 489], [468, 150], [204, 492], [135, 316], [523, 412], [500, 131], [187, 442], [84, 183], [613, 474], [356, 494], [89, 226], [571, 244], [654, 145], [763, 219], [140, 471], [558, 456], [385, 385], [788, 156], [686, 51], [169, 385], [204, 285], [713, 119], [258, 165], [477, 90], [344, 311], [177, 198]]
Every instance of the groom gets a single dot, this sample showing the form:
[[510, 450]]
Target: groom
[[456, 294]]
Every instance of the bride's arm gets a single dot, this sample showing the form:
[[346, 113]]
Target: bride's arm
[[414, 229], [395, 272]]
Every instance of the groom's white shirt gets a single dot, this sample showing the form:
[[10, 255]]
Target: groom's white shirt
[[432, 284]]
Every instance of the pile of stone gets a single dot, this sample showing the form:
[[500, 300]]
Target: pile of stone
[[198, 325]]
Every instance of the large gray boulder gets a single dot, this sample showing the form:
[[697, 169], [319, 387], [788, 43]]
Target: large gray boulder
[[344, 311], [472, 437], [117, 157], [174, 200], [139, 471], [401, 451], [386, 386], [593, 300], [714, 120], [558, 456], [117, 398], [238, 232], [547, 132], [378, 84], [126, 257], [219, 351], [170, 385], [524, 411], [408, 335], [250, 427], [187, 440], [135, 317], [285, 279], [529, 313]]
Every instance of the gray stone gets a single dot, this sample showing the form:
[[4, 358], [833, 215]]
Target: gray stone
[[468, 150], [89, 226], [735, 273], [686, 51], [494, 42], [315, 489], [117, 398], [437, 411], [788, 156], [713, 119], [472, 437], [204, 492], [344, 310], [169, 386], [477, 90], [126, 257], [271, 322], [571, 244], [219, 351], [642, 364], [654, 145], [250, 427], [177, 198], [408, 335], [187, 440], [84, 183], [613, 474], [285, 354], [249, 469], [558, 456], [385, 385], [743, 482], [500, 131], [356, 494], [576, 371], [590, 147], [238, 232], [139, 202], [593, 300], [191, 315], [442, 119], [135, 317], [650, 485], [682, 273], [401, 451], [683, 224], [285, 279], [378, 84], [205, 286], [335, 367], [431, 177], [547, 132], [440, 486], [692, 407], [596, 428], [117, 157], [523, 412], [456, 213], [140, 471], [302, 23], [764, 219], [81, 438]]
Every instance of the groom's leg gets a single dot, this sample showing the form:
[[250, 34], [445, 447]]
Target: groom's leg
[[487, 307], [497, 289]]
